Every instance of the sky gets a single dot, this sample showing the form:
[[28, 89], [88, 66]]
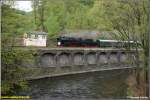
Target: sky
[[23, 5]]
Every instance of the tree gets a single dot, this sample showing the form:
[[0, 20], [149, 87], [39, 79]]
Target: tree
[[130, 20], [15, 20], [12, 69], [39, 16], [14, 23], [133, 26]]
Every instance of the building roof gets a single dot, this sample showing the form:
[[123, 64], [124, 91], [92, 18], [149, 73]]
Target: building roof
[[38, 33]]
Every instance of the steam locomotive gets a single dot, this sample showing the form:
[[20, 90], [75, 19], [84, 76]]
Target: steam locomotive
[[63, 41]]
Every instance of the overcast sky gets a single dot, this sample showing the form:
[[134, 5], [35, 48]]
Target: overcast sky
[[23, 5]]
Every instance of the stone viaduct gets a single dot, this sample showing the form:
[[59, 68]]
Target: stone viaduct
[[63, 61]]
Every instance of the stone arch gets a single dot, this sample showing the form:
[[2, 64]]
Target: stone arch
[[78, 58], [123, 57], [63, 59], [91, 58], [103, 59], [48, 60], [113, 57]]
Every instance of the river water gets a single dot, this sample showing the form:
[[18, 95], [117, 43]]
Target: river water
[[95, 85]]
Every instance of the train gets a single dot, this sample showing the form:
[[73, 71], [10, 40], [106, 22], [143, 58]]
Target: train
[[63, 41]]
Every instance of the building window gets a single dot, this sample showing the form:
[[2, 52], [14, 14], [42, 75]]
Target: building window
[[36, 36], [32, 36]]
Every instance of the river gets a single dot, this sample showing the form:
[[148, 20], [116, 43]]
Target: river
[[95, 85]]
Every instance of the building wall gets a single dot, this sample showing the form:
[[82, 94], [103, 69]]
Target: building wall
[[35, 41]]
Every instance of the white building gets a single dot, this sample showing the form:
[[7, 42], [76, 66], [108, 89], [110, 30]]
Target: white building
[[35, 39]]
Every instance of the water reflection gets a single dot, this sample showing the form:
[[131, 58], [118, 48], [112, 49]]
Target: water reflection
[[106, 84]]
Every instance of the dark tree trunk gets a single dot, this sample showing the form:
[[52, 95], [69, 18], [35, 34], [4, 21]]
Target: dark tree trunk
[[42, 27]]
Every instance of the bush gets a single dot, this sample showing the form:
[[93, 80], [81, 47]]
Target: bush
[[12, 70]]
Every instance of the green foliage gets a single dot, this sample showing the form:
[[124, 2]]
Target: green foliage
[[52, 26], [12, 70], [128, 19], [15, 21], [12, 67], [54, 19], [14, 24]]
